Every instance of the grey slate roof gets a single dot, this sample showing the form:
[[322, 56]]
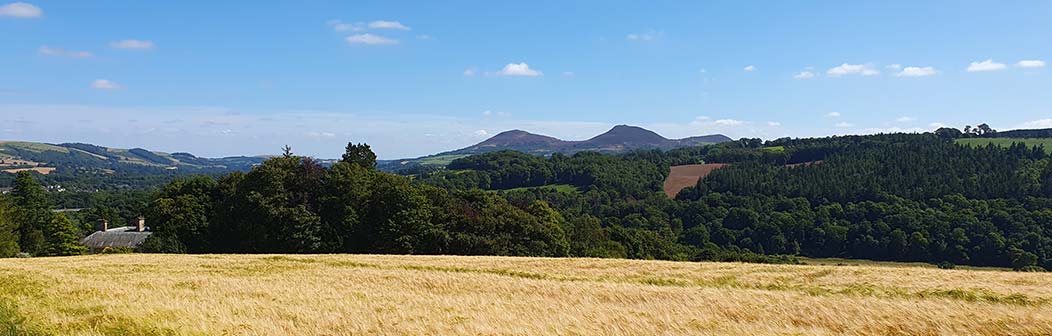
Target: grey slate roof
[[116, 237]]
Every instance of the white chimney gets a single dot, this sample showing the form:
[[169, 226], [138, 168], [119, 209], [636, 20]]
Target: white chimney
[[141, 224]]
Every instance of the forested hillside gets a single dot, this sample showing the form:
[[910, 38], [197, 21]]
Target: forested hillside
[[900, 197], [890, 197]]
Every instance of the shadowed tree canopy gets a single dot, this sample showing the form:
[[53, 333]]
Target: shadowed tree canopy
[[359, 154], [31, 213], [8, 229]]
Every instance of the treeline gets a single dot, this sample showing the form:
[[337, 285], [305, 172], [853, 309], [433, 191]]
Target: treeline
[[1025, 134], [292, 204], [629, 173]]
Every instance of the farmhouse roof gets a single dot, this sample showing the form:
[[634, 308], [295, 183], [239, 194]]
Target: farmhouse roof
[[126, 236]]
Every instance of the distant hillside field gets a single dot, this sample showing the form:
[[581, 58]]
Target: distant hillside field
[[444, 295], [1005, 142], [684, 176]]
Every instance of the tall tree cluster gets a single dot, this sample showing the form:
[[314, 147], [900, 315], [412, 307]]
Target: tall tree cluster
[[292, 204], [27, 224]]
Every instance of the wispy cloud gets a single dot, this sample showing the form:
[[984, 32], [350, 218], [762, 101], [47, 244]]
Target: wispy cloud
[[502, 114], [133, 44], [341, 26], [916, 72], [1040, 123], [904, 119], [370, 39], [728, 122], [519, 69], [833, 114], [21, 10], [805, 75], [105, 84], [380, 24], [987, 65], [844, 125], [49, 51], [852, 69], [1031, 64], [749, 68], [649, 35]]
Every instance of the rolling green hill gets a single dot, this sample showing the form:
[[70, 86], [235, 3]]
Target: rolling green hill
[[20, 154], [86, 167]]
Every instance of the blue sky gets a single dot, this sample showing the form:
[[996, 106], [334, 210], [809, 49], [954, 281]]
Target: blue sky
[[415, 78]]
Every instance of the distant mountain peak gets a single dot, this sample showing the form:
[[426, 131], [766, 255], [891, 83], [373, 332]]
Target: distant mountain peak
[[626, 134], [618, 139], [517, 138]]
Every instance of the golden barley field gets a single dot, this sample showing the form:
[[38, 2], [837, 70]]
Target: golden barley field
[[136, 294]]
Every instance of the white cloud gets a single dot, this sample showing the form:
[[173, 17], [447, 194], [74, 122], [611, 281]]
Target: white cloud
[[852, 69], [773, 124], [481, 133], [805, 75], [844, 125], [904, 119], [49, 51], [646, 36], [987, 65], [105, 84], [469, 72], [423, 37], [916, 72], [1031, 64], [21, 10], [750, 68], [502, 114], [370, 39], [341, 26], [834, 114], [728, 122], [1040, 123], [133, 44], [894, 66], [387, 25], [519, 69]]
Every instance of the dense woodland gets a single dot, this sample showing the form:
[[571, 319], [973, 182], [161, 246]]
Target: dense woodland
[[902, 197]]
